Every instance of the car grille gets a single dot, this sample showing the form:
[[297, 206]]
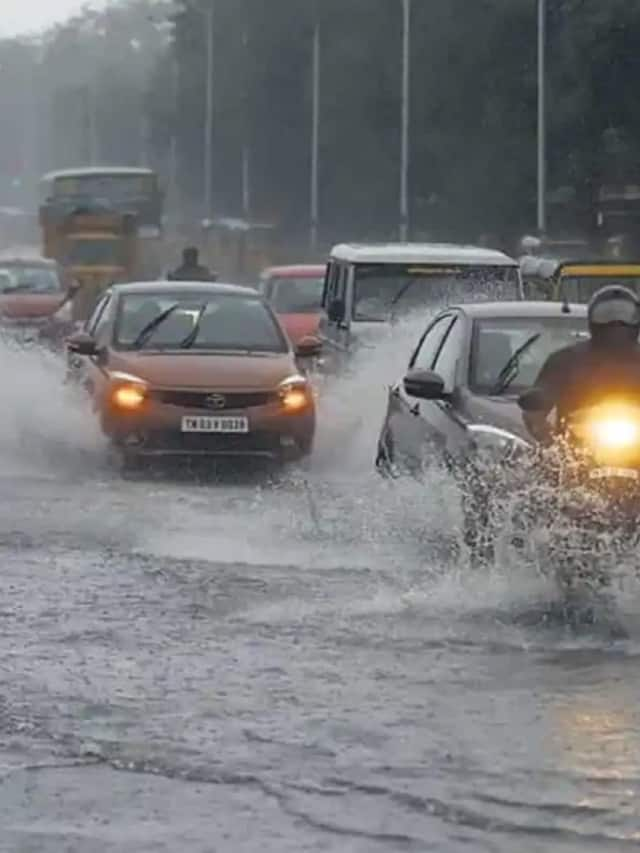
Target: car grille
[[198, 399]]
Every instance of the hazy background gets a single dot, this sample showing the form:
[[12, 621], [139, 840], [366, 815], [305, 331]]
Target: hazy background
[[127, 85]]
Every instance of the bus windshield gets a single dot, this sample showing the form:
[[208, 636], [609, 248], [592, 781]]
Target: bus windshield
[[384, 290], [122, 192]]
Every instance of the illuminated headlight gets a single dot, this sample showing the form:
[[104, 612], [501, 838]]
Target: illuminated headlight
[[129, 392], [295, 394], [612, 429]]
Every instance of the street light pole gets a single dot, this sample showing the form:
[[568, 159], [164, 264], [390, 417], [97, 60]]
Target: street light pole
[[246, 151], [542, 130], [315, 131], [208, 125], [406, 94]]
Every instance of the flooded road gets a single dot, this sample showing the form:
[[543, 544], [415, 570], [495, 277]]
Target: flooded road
[[297, 666]]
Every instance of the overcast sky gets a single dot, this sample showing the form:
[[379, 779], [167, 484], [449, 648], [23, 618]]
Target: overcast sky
[[25, 16]]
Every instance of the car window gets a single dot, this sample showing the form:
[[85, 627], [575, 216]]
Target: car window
[[447, 359], [496, 340], [94, 318], [207, 321], [428, 348], [302, 295], [102, 321], [22, 278]]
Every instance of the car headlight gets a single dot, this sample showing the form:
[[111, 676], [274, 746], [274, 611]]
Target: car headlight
[[295, 393], [129, 392], [496, 444]]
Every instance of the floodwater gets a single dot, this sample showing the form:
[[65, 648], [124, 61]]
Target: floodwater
[[297, 666]]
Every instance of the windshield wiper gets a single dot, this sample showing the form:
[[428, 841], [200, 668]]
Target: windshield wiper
[[401, 293], [189, 341], [150, 328], [512, 368]]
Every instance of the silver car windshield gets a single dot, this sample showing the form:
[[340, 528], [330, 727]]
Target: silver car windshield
[[495, 341]]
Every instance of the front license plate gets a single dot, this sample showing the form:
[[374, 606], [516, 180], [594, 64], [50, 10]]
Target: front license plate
[[604, 473], [205, 424]]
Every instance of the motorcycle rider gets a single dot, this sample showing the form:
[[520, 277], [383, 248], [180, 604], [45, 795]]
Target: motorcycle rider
[[191, 269], [583, 374]]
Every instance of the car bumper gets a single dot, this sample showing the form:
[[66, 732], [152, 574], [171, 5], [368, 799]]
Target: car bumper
[[158, 433]]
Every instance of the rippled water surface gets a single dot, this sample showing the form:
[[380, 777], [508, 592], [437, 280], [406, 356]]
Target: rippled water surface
[[297, 666]]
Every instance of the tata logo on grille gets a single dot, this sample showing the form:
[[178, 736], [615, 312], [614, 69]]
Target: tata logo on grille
[[215, 402]]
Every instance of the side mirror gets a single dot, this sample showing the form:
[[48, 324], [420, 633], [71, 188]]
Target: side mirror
[[308, 347], [533, 400], [82, 343], [336, 310], [424, 384]]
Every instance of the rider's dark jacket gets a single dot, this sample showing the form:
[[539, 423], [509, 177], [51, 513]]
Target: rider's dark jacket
[[585, 374]]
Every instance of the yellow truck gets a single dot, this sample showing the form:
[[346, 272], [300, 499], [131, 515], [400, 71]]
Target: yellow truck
[[96, 249]]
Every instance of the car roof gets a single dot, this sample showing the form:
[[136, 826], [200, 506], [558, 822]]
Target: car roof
[[210, 287], [519, 309], [28, 260], [420, 253], [295, 271], [97, 170]]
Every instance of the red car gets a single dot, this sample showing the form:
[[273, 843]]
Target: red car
[[295, 295], [35, 303]]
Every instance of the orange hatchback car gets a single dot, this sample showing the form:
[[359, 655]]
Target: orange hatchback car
[[194, 369]]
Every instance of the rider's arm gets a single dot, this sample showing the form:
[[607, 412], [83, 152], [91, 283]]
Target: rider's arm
[[549, 381]]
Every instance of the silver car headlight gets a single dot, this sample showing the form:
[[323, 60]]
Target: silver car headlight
[[493, 444]]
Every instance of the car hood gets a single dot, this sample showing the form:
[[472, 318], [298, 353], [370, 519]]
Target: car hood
[[200, 370], [502, 412], [298, 326], [29, 305]]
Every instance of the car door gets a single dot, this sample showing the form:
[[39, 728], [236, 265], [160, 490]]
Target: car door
[[405, 430], [81, 367], [443, 422]]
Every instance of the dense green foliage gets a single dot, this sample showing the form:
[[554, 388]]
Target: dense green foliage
[[473, 106]]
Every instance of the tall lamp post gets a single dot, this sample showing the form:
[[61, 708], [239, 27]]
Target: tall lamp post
[[406, 95], [315, 129], [208, 125], [542, 130]]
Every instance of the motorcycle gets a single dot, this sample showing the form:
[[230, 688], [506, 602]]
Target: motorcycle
[[584, 505]]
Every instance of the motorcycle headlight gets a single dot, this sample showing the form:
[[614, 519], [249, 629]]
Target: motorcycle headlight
[[610, 431], [614, 433]]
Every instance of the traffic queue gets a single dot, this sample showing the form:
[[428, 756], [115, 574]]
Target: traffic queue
[[200, 368]]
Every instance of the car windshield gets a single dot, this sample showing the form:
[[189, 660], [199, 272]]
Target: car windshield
[[21, 278], [208, 321], [384, 290], [297, 295], [495, 341], [96, 252], [581, 288]]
